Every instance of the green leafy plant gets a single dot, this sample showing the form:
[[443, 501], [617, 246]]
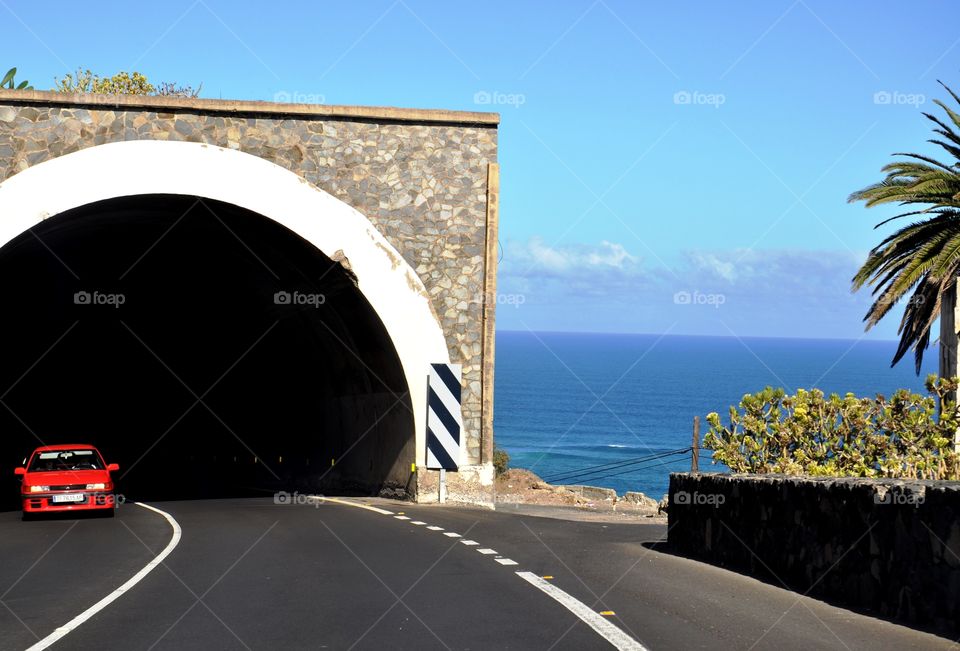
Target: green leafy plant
[[807, 433], [122, 83], [10, 83], [923, 257], [501, 460]]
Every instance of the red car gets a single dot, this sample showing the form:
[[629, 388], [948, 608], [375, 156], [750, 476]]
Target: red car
[[61, 478]]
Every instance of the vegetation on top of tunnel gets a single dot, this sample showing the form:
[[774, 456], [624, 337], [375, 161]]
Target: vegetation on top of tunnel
[[9, 81], [122, 83]]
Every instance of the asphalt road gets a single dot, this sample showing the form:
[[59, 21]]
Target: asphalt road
[[251, 574]]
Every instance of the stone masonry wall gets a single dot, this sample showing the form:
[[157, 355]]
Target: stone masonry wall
[[422, 184], [889, 547]]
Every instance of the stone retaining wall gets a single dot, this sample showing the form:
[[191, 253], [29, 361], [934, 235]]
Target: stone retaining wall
[[885, 546]]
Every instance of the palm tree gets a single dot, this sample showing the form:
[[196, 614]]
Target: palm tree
[[923, 257]]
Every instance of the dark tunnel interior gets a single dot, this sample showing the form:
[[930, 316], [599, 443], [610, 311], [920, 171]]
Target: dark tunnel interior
[[208, 350]]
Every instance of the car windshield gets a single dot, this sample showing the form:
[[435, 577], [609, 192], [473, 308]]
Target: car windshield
[[65, 460]]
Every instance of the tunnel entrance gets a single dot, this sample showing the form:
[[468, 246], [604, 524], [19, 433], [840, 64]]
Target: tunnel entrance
[[207, 349]]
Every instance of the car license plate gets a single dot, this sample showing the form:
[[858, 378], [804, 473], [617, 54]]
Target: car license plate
[[69, 497]]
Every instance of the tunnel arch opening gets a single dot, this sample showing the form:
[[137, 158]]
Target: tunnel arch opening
[[235, 214], [206, 349]]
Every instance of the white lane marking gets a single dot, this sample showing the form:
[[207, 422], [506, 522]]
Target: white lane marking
[[62, 631], [608, 631], [348, 503], [604, 627]]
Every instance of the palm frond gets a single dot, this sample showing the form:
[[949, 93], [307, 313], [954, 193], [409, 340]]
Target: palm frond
[[921, 259]]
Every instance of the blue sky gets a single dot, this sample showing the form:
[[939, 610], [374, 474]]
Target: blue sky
[[666, 167]]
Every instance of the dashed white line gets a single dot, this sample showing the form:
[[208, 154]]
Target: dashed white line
[[348, 503], [62, 631], [604, 627]]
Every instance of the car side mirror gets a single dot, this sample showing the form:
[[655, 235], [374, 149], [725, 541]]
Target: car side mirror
[[113, 467], [20, 471]]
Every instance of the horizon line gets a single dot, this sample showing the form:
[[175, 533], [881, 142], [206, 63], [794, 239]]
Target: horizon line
[[659, 334]]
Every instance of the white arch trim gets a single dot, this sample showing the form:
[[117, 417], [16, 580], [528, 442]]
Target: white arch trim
[[161, 167]]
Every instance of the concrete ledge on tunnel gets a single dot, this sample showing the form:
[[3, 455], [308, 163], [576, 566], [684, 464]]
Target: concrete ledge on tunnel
[[473, 484], [884, 546]]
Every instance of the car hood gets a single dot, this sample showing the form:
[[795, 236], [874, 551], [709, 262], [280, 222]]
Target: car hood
[[59, 478]]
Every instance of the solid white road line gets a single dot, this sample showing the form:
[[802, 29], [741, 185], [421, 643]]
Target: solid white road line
[[356, 504], [604, 627], [132, 581]]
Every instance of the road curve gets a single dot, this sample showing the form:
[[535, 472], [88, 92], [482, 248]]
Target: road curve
[[250, 574]]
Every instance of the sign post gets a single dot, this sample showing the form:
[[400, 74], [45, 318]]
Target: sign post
[[444, 421]]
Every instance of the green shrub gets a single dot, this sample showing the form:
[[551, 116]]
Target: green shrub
[[807, 433], [500, 461], [122, 83], [10, 83]]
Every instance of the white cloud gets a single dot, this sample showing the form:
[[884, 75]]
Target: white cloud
[[610, 254], [535, 256], [603, 287]]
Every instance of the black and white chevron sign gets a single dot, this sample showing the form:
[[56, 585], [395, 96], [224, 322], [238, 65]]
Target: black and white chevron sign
[[444, 420]]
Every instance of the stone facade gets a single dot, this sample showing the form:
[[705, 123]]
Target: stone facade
[[889, 547], [419, 176]]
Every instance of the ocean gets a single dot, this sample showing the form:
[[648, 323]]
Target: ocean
[[565, 402]]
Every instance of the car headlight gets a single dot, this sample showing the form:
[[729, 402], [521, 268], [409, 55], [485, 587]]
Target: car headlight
[[39, 489], [96, 487]]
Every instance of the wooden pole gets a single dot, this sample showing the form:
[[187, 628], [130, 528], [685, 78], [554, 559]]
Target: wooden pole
[[695, 457], [949, 344]]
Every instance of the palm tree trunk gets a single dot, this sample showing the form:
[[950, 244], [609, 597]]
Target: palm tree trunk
[[949, 341]]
